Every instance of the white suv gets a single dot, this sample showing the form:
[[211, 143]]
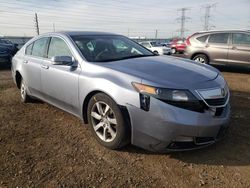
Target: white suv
[[156, 48]]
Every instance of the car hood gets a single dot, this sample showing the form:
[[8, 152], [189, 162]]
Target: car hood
[[165, 71]]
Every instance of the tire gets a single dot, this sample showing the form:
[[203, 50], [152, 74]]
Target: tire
[[173, 50], [25, 98], [201, 58], [156, 52], [108, 126]]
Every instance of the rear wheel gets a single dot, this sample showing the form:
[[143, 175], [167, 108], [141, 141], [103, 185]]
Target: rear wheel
[[173, 50], [107, 123], [23, 91], [201, 58]]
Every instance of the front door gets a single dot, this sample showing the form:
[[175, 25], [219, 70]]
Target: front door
[[60, 82]]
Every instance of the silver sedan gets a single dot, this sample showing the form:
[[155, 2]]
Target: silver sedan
[[125, 92]]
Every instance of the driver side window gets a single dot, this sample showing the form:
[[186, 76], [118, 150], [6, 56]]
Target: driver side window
[[58, 47]]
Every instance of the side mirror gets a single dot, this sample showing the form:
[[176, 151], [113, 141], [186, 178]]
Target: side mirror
[[62, 60]]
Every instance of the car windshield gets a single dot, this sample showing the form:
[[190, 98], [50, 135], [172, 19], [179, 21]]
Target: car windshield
[[109, 48], [155, 44]]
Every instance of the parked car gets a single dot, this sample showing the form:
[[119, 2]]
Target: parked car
[[7, 50], [124, 91], [220, 47], [177, 45], [156, 48], [5, 55]]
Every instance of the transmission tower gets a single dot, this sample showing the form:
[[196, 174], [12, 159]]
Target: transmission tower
[[207, 16], [183, 20], [36, 24]]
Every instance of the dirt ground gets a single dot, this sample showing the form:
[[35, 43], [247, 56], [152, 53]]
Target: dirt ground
[[42, 146]]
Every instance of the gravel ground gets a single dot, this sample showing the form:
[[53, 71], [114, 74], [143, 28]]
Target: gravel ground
[[42, 146]]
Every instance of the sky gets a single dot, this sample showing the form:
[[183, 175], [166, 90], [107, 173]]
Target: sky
[[128, 17]]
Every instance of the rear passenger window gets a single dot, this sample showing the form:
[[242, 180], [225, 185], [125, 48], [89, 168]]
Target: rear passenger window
[[28, 50], [221, 38], [241, 39], [202, 38], [58, 47], [39, 47]]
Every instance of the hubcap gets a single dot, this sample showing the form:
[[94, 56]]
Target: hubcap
[[23, 90], [104, 121], [200, 60]]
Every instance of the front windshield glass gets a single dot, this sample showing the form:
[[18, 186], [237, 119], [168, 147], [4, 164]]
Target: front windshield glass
[[109, 48], [154, 44]]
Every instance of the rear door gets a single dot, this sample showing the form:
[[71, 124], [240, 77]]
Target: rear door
[[217, 47], [60, 82], [239, 49], [32, 61]]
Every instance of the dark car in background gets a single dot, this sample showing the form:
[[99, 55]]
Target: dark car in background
[[7, 50], [227, 47]]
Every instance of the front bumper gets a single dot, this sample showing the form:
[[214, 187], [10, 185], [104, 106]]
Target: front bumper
[[168, 128]]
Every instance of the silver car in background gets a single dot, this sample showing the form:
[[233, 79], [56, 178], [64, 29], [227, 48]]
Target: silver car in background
[[125, 92], [226, 47]]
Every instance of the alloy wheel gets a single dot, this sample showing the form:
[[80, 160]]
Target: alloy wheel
[[104, 121]]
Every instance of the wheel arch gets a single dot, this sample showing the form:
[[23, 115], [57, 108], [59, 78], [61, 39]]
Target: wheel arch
[[202, 53], [123, 109]]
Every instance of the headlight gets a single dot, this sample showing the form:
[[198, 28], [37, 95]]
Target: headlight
[[164, 94], [180, 98]]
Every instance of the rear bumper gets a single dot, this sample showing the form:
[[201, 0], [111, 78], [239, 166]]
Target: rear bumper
[[169, 128]]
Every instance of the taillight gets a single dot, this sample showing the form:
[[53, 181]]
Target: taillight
[[188, 43]]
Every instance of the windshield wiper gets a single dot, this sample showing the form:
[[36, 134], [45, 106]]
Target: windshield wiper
[[127, 57]]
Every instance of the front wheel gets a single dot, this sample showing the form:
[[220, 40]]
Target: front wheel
[[106, 122], [201, 58]]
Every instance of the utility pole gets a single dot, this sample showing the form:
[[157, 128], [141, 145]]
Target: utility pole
[[36, 24], [128, 32], [54, 29], [156, 34], [207, 16], [183, 20]]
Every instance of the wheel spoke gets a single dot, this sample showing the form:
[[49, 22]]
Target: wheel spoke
[[99, 108], [98, 126], [112, 120], [111, 131], [105, 133], [96, 115], [106, 109]]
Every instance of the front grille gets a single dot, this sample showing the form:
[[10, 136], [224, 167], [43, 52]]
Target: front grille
[[217, 102]]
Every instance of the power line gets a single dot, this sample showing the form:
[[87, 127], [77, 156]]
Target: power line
[[183, 20]]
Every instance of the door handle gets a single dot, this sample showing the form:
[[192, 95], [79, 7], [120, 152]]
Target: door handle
[[25, 61], [234, 48], [45, 66]]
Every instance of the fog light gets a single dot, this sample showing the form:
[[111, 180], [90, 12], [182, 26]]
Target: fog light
[[184, 139], [144, 102]]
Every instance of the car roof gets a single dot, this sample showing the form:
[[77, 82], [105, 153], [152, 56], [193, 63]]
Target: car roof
[[226, 30], [79, 33]]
